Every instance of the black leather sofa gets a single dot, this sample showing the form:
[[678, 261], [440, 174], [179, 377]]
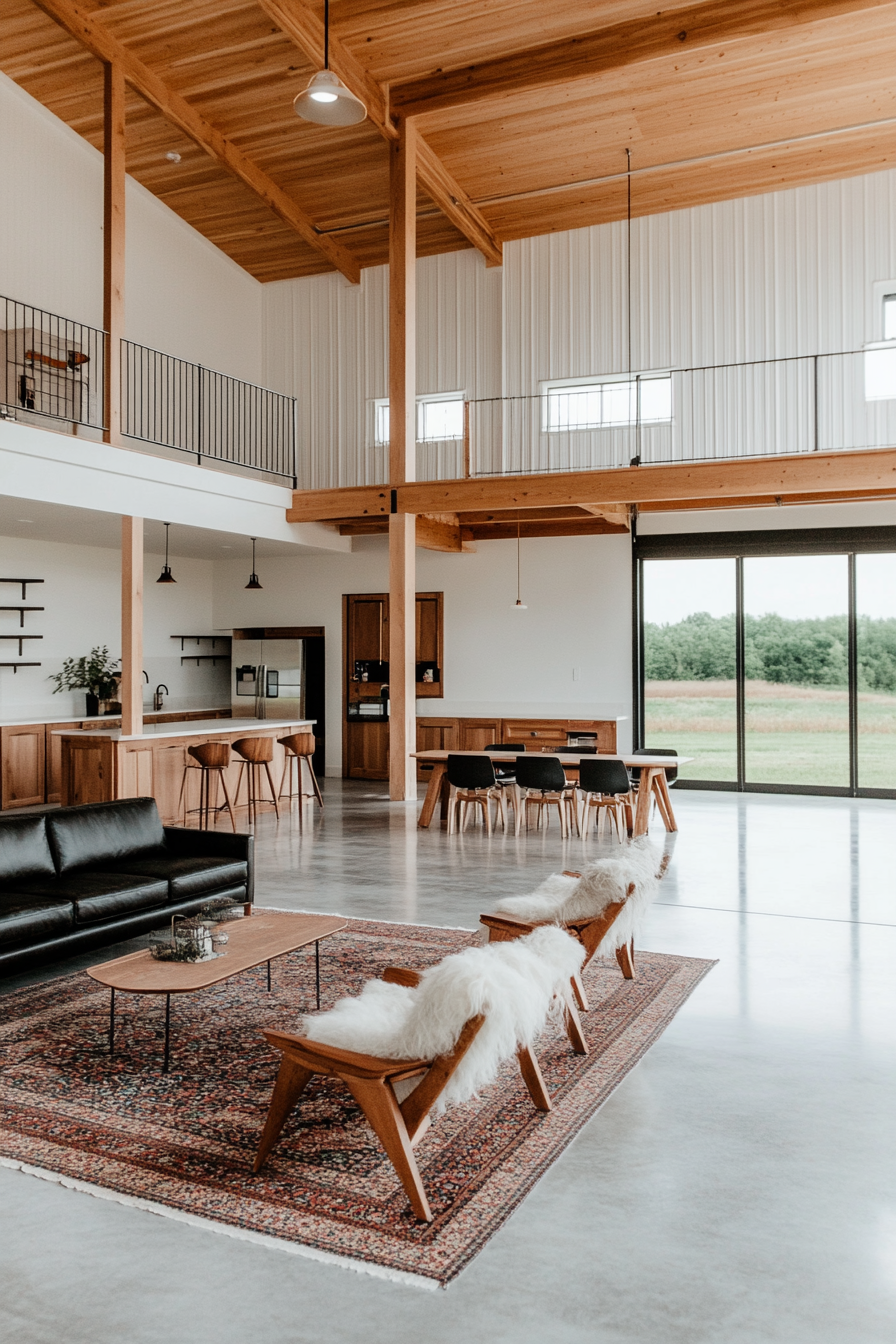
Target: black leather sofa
[[81, 877]]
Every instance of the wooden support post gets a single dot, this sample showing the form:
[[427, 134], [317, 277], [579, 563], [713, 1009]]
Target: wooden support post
[[402, 459], [132, 625], [113, 246]]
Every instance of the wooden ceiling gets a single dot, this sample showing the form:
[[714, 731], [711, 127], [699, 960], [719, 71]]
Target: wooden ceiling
[[514, 98]]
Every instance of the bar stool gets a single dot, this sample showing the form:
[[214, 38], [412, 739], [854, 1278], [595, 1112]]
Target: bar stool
[[212, 759], [255, 752], [299, 747]]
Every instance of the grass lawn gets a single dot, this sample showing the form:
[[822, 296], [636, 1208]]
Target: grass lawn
[[795, 734]]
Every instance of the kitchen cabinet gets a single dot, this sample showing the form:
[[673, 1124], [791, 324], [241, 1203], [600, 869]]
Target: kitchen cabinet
[[23, 765]]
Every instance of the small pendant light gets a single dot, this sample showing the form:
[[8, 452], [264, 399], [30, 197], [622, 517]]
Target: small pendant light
[[326, 101], [253, 577], [518, 604], [166, 576]]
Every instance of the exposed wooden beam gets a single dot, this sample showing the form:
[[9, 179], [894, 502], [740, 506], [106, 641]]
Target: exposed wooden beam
[[100, 42], [631, 42], [800, 478], [402, 460], [132, 626], [563, 527], [305, 28], [113, 246], [613, 513], [440, 533]]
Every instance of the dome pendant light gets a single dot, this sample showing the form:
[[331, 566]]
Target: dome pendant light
[[518, 604], [327, 101], [253, 577], [166, 576]]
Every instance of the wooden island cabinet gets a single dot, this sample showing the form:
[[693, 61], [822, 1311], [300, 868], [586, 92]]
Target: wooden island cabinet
[[31, 753]]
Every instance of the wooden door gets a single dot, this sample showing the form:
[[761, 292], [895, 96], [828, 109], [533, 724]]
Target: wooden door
[[23, 751], [367, 750], [435, 735], [368, 632], [53, 758], [167, 777]]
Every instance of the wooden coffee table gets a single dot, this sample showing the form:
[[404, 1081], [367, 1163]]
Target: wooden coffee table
[[255, 939]]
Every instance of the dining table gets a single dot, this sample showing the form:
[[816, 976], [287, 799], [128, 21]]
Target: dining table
[[652, 785]]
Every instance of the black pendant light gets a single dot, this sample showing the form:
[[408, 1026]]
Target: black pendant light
[[166, 576], [253, 577], [519, 604]]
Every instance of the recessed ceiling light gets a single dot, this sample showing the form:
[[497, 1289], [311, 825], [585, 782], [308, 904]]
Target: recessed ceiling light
[[226, 548], [25, 520], [172, 156]]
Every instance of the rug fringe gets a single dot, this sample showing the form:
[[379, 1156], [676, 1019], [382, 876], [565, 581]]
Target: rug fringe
[[225, 1229]]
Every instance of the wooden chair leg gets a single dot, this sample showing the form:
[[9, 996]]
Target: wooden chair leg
[[485, 804], [521, 807], [532, 1078], [625, 955], [291, 1082], [579, 994], [314, 784], [267, 770], [573, 1024], [377, 1101]]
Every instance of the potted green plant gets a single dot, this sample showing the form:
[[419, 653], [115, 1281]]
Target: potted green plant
[[96, 674]]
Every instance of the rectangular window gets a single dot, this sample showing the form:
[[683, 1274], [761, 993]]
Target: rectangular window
[[606, 404], [440, 418], [889, 322]]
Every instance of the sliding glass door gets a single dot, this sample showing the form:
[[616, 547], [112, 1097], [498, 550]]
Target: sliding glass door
[[876, 670], [770, 658], [690, 690], [796, 670]]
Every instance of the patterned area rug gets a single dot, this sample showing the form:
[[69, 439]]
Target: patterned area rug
[[183, 1143]]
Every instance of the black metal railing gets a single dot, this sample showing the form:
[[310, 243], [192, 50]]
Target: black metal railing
[[796, 404], [50, 366], [176, 404]]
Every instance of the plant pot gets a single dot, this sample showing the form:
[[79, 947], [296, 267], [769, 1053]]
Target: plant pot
[[93, 706]]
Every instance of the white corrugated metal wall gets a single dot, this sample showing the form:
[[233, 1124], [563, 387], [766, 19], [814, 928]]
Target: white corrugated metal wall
[[790, 274]]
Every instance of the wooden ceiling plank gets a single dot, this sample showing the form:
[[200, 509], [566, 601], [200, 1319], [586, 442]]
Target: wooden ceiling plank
[[632, 42], [306, 30], [101, 43]]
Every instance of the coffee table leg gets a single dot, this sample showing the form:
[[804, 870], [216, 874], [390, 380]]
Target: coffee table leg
[[269, 977], [317, 970], [167, 1030], [112, 1026]]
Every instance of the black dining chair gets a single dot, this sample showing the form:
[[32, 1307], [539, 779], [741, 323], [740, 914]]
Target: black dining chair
[[606, 791], [541, 782], [671, 770], [471, 780], [505, 774]]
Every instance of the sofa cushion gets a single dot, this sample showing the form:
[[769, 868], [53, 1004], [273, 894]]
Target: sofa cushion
[[97, 896], [102, 833], [189, 876], [25, 917], [24, 849]]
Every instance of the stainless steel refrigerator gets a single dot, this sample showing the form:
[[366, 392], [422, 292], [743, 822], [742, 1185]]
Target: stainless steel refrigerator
[[268, 678]]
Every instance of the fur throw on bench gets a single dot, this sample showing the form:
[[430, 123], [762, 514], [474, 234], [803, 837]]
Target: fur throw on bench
[[514, 985], [561, 898]]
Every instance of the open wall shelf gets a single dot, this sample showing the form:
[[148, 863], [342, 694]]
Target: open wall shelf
[[199, 640], [24, 583]]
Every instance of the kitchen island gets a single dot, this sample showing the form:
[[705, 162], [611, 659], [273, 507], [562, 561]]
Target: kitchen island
[[101, 765]]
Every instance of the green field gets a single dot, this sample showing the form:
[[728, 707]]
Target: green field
[[795, 734]]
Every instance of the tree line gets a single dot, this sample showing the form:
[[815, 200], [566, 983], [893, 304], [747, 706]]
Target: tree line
[[810, 652]]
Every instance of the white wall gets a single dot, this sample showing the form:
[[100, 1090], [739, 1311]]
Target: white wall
[[497, 660], [81, 594], [182, 294], [791, 273]]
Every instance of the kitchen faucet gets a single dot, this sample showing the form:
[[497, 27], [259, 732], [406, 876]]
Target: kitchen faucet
[[157, 697]]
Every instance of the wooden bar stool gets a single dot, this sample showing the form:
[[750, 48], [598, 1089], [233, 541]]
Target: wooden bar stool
[[299, 747], [255, 752], [212, 759]]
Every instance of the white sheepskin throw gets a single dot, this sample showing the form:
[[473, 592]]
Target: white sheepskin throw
[[514, 985], [601, 884]]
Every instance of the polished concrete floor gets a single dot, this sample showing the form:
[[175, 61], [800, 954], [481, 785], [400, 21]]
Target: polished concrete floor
[[739, 1187]]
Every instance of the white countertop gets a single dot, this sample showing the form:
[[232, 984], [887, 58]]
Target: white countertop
[[198, 728], [100, 719]]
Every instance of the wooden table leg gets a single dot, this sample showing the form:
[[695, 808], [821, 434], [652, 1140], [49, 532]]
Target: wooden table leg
[[665, 802], [432, 793], [642, 809]]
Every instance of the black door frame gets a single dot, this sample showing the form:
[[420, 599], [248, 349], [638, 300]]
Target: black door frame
[[738, 546]]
